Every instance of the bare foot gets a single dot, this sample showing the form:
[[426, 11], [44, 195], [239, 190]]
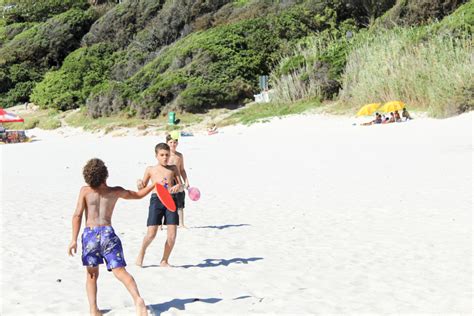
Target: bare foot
[[141, 308], [139, 261], [164, 264], [96, 313]]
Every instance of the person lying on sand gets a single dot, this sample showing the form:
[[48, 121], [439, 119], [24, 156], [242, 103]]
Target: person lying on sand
[[377, 120]]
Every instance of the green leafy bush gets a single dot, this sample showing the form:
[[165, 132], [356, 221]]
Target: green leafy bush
[[217, 67], [70, 86], [49, 42], [8, 32], [38, 11], [27, 56]]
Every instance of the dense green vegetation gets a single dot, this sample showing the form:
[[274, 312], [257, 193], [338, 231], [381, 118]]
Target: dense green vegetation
[[215, 67], [38, 46], [141, 58], [427, 66]]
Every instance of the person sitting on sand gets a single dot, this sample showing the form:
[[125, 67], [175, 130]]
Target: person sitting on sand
[[397, 117], [392, 118], [99, 240], [212, 129], [406, 115]]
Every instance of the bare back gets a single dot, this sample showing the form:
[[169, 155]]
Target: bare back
[[99, 204]]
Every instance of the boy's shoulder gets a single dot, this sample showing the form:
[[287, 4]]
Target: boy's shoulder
[[152, 168], [85, 189], [180, 155]]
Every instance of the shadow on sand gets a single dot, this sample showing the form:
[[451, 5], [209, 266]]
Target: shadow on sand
[[104, 311], [209, 263], [222, 226], [179, 304]]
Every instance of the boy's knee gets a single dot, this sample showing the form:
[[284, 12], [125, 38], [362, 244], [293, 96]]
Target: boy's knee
[[151, 235], [171, 239], [119, 272], [92, 273], [152, 230]]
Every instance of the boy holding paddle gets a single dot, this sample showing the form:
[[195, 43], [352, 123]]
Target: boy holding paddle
[[99, 240], [167, 175]]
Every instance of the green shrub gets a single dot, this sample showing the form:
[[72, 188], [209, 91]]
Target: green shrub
[[49, 42], [217, 67], [26, 57], [460, 23], [69, 87], [119, 25], [418, 12], [39, 11], [20, 92], [313, 69], [8, 32]]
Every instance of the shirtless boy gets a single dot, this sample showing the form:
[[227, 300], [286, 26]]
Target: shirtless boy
[[177, 159], [99, 240], [166, 175]]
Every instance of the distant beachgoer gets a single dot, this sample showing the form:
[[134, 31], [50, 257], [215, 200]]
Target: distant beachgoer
[[99, 240], [212, 130], [177, 159], [397, 117], [406, 115], [377, 120], [392, 118]]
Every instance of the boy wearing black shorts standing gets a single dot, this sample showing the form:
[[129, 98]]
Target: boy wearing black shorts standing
[[158, 214]]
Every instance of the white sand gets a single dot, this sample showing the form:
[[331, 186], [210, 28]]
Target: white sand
[[303, 215]]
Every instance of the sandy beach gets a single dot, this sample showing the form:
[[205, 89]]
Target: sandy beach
[[305, 215]]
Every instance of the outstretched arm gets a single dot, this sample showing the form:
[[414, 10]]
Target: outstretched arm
[[76, 221], [133, 195]]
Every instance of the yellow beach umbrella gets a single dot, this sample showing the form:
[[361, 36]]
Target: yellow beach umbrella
[[368, 109], [392, 106]]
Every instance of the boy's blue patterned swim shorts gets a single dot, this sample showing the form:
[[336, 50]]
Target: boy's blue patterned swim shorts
[[100, 243]]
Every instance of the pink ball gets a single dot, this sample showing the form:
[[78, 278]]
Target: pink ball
[[194, 193]]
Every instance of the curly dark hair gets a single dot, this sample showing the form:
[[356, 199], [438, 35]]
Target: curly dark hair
[[95, 172]]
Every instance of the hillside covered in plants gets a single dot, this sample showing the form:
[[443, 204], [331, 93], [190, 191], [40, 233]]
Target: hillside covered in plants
[[146, 57]]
